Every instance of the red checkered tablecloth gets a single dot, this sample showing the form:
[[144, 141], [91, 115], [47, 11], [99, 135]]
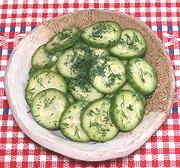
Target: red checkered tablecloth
[[17, 18]]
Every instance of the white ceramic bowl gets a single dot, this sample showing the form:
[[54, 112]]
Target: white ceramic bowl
[[157, 110]]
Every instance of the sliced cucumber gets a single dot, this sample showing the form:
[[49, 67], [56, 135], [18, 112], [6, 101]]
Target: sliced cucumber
[[70, 123], [96, 122], [81, 89], [41, 80], [127, 110], [47, 107], [80, 45], [141, 76], [107, 74], [41, 59], [102, 34], [32, 71], [124, 62], [70, 98], [63, 40], [54, 68], [94, 52], [109, 96], [99, 52], [73, 62], [132, 44], [127, 86]]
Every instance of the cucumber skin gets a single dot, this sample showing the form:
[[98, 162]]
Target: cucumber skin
[[32, 71], [111, 111], [67, 108], [142, 96], [71, 42], [70, 96], [36, 66], [61, 114], [112, 107], [133, 83], [66, 87], [81, 118], [50, 64], [98, 45], [141, 54]]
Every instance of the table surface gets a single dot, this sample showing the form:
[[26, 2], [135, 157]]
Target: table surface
[[19, 18]]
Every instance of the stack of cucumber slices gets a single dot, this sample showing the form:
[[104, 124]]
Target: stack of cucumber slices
[[91, 84]]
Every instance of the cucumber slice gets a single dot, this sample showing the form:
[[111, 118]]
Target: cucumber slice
[[63, 40], [141, 76], [80, 45], [96, 122], [124, 62], [132, 44], [107, 74], [47, 107], [32, 71], [102, 34], [54, 68], [127, 86], [70, 98], [41, 80], [94, 52], [41, 59], [81, 89], [127, 110], [70, 123], [108, 96], [99, 52], [73, 62]]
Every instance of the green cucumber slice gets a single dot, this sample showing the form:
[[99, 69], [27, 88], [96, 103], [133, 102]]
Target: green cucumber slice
[[47, 107], [141, 76], [102, 34], [70, 123], [41, 80], [96, 121], [127, 110], [131, 45]]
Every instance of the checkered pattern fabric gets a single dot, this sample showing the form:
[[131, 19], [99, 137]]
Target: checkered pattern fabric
[[17, 18]]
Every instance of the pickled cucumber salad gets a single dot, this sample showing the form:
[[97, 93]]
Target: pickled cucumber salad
[[92, 83]]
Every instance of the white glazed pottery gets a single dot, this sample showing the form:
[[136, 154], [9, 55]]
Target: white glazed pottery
[[158, 108]]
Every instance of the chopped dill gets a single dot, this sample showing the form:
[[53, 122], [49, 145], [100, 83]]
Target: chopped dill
[[130, 107], [142, 75], [65, 34], [100, 29], [48, 102], [64, 125], [76, 133], [131, 41]]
